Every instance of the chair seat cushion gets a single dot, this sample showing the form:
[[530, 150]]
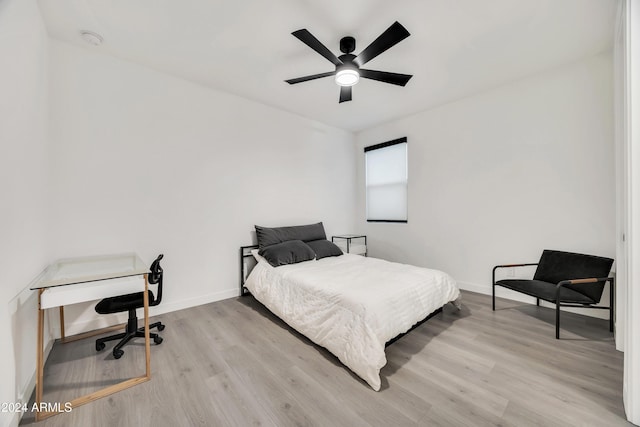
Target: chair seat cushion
[[546, 291], [123, 303]]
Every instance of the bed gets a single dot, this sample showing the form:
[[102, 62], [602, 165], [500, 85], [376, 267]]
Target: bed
[[349, 304]]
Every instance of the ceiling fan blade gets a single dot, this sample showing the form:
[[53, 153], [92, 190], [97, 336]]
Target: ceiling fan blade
[[311, 77], [386, 77], [345, 93], [391, 36], [307, 38]]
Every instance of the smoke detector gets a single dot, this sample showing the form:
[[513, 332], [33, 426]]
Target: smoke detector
[[92, 38]]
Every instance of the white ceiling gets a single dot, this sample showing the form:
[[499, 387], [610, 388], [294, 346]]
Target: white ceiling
[[456, 48]]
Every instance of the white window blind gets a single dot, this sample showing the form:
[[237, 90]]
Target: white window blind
[[386, 181]]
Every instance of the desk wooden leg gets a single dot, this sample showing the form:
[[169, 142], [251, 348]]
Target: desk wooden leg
[[41, 415], [62, 337], [40, 354], [147, 341]]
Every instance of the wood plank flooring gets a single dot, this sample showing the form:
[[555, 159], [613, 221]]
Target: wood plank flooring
[[233, 363]]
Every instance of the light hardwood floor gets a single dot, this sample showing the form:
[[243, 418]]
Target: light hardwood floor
[[233, 363]]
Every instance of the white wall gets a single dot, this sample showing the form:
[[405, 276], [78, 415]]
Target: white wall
[[147, 162], [622, 157], [497, 177], [23, 193], [629, 108]]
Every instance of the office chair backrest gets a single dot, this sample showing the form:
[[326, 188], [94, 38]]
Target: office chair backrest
[[156, 277], [556, 266]]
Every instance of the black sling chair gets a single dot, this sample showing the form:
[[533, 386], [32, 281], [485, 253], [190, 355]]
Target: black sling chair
[[565, 279]]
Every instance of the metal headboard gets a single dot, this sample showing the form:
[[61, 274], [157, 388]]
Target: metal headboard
[[246, 266]]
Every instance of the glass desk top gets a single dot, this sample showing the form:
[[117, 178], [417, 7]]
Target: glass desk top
[[70, 271]]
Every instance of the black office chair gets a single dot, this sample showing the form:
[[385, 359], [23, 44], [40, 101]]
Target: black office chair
[[131, 302]]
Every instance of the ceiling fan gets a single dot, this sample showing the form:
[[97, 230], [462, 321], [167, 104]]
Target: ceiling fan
[[348, 71]]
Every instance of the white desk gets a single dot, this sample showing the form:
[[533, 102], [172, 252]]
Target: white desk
[[74, 280]]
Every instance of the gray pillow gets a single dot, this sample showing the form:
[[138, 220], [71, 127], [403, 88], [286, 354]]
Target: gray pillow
[[324, 248], [270, 236], [290, 252]]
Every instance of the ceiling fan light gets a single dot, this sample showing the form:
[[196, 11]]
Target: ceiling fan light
[[347, 77]]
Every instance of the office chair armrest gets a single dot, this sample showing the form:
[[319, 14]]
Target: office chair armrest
[[493, 272]]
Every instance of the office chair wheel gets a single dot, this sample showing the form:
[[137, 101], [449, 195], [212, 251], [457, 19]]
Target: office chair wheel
[[161, 327], [157, 340], [100, 346], [117, 354]]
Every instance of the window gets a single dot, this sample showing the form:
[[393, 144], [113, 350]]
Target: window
[[386, 181]]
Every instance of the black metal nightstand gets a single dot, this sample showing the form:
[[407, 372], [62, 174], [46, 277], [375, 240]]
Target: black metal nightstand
[[351, 243]]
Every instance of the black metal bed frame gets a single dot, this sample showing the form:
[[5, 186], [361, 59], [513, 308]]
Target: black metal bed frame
[[245, 252], [429, 316]]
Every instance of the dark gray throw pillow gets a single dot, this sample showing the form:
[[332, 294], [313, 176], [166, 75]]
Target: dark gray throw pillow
[[290, 252], [324, 248], [270, 236]]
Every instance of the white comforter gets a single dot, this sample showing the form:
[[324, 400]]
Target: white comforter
[[352, 305]]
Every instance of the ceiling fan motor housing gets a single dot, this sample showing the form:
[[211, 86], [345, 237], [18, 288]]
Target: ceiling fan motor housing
[[347, 44]]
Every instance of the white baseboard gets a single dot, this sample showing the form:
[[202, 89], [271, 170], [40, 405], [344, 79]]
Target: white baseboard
[[14, 421], [193, 302], [25, 394], [517, 296], [97, 322]]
